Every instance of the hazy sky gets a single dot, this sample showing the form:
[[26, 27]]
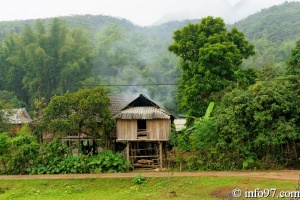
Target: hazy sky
[[141, 12]]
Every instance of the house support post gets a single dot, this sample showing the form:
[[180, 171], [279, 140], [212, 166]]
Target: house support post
[[160, 156], [127, 153], [166, 155]]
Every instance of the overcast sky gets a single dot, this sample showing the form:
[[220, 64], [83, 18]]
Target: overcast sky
[[140, 12]]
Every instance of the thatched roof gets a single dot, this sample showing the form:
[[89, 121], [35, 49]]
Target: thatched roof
[[17, 116], [143, 113]]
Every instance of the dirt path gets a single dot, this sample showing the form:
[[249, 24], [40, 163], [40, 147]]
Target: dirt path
[[291, 175]]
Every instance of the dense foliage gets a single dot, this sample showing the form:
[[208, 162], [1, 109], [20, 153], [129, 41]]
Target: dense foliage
[[104, 162], [55, 158], [293, 64], [83, 111], [259, 124], [252, 128], [18, 153], [211, 57], [22, 155], [38, 62]]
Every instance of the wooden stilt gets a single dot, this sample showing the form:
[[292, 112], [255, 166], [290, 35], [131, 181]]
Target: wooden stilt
[[131, 151], [166, 155], [160, 156], [127, 153]]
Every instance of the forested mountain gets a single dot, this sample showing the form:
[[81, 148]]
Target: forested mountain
[[274, 32], [122, 53]]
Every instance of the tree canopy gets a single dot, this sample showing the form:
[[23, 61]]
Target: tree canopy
[[83, 111], [210, 59], [252, 127]]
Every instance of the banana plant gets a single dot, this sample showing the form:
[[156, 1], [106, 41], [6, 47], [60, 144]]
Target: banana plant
[[209, 110]]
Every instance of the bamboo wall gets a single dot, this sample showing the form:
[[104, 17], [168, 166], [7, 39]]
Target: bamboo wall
[[157, 129], [126, 129]]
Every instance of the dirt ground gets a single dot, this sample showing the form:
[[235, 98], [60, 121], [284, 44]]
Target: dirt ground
[[290, 175]]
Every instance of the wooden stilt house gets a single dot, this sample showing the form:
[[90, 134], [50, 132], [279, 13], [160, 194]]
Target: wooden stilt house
[[145, 128]]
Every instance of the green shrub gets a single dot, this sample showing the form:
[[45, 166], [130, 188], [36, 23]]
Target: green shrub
[[139, 179], [73, 165], [52, 159], [4, 152], [24, 154], [108, 161], [54, 150]]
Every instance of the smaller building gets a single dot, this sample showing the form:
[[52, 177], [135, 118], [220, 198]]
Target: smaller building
[[180, 124], [17, 117]]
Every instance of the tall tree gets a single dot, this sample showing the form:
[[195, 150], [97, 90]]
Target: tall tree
[[210, 59]]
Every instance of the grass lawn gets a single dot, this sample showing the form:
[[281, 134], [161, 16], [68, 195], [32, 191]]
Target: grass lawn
[[124, 188]]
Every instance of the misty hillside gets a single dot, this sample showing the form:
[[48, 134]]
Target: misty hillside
[[274, 32], [277, 23], [126, 54]]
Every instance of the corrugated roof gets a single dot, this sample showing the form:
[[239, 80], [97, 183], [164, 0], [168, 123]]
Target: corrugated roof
[[143, 113], [119, 101], [17, 116]]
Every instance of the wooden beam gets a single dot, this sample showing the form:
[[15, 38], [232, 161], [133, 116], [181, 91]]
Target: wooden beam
[[155, 156], [145, 165], [142, 140], [75, 139]]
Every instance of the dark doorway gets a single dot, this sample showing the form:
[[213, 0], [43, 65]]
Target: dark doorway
[[141, 124], [141, 129]]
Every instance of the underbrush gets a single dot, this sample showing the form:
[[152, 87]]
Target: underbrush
[[106, 161], [26, 157]]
